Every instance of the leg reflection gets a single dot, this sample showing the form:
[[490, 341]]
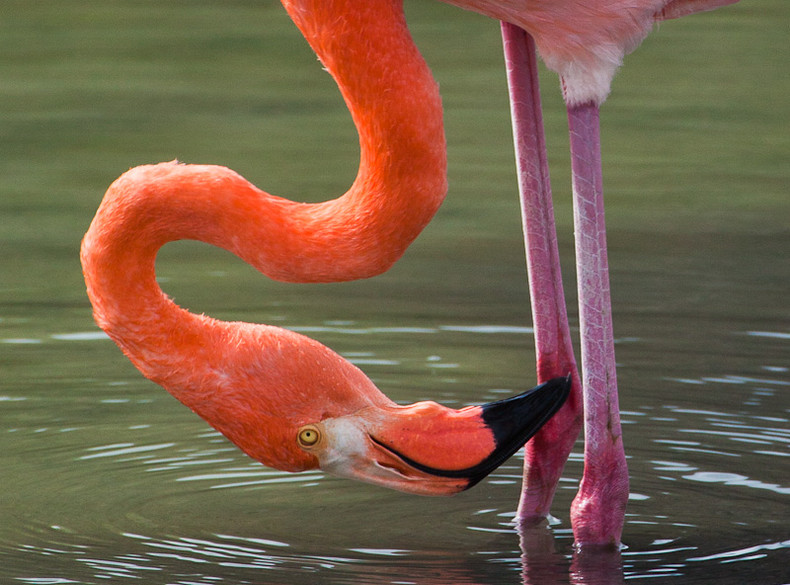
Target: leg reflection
[[541, 564]]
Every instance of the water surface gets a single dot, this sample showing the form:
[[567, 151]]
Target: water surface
[[105, 478]]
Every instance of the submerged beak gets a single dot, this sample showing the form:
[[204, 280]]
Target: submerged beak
[[429, 449]]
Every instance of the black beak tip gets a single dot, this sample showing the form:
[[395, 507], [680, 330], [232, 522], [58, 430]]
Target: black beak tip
[[519, 417], [515, 420]]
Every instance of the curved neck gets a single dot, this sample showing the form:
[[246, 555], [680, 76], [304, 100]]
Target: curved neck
[[395, 104], [396, 107]]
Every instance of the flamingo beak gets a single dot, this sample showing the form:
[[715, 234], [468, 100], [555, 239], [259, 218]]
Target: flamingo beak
[[429, 449]]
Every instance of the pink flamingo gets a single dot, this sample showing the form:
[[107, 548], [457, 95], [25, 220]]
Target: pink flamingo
[[584, 41], [284, 399]]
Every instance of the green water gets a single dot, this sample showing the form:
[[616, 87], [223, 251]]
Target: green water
[[105, 478]]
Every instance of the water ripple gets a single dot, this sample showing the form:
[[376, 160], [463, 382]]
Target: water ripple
[[126, 449], [81, 336], [735, 479], [743, 554], [769, 334]]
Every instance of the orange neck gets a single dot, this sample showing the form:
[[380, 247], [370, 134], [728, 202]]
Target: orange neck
[[396, 107]]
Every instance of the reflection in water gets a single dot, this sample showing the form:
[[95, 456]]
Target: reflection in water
[[673, 530], [222, 558]]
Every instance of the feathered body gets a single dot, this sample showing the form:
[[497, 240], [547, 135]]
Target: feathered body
[[584, 41]]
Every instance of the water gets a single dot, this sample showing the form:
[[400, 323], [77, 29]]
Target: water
[[105, 478]]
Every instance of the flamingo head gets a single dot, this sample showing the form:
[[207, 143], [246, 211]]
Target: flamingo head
[[300, 406], [426, 448]]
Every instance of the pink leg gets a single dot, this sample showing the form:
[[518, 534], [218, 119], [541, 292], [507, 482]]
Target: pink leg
[[547, 452], [598, 511]]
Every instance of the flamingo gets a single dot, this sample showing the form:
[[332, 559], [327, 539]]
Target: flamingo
[[584, 41], [282, 398]]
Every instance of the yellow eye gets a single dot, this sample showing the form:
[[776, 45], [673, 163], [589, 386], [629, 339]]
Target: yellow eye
[[309, 436]]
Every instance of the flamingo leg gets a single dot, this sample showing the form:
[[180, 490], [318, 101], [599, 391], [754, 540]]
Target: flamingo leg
[[547, 452], [598, 511]]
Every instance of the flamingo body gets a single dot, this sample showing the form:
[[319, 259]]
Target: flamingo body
[[585, 41]]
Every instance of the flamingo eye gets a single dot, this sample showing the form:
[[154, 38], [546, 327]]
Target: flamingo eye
[[309, 436]]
